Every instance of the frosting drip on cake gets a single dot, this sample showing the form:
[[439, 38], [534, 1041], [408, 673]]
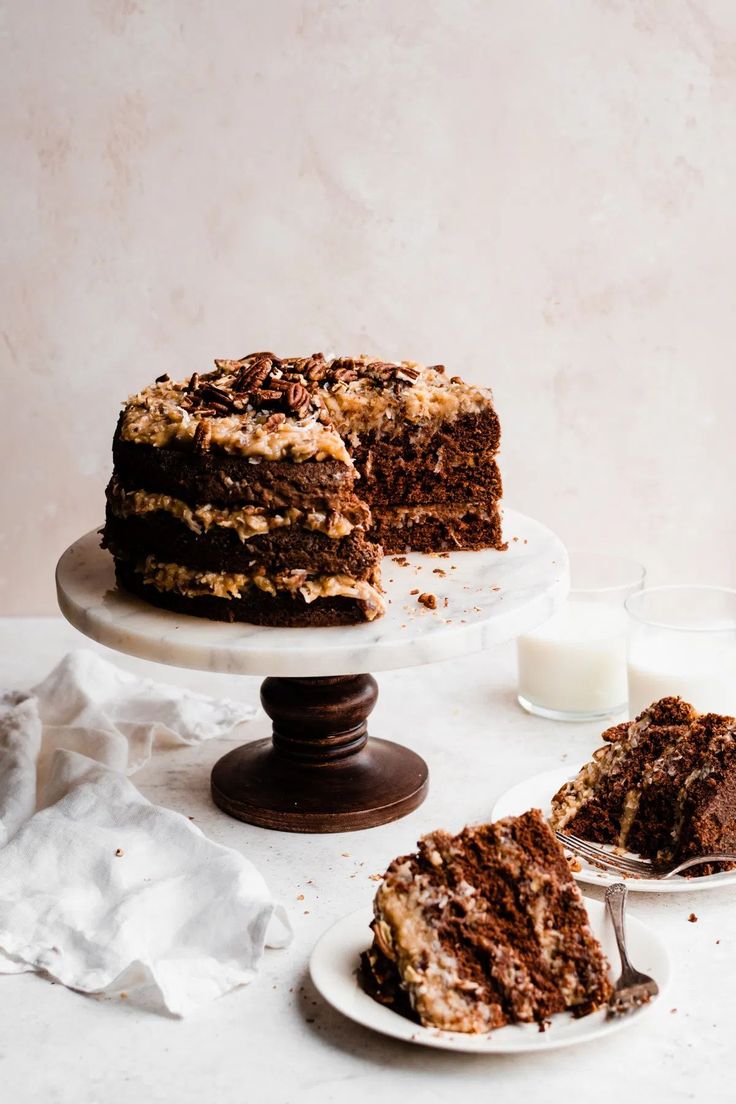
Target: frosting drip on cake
[[247, 521], [232, 584]]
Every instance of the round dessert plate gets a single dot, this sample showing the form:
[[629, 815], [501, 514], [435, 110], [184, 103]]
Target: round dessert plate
[[537, 793], [334, 965], [482, 598]]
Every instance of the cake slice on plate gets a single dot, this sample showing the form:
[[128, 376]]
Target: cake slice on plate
[[483, 929], [663, 786]]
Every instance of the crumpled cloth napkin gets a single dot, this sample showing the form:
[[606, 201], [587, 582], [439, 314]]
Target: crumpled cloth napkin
[[99, 888]]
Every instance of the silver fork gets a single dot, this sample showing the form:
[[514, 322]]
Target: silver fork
[[633, 989], [635, 868]]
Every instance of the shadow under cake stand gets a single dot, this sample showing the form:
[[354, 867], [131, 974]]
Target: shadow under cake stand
[[320, 772]]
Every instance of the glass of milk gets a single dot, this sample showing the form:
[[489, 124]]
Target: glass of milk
[[683, 641], [573, 668]]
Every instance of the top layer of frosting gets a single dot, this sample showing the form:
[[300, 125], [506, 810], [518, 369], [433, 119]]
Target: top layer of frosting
[[271, 408]]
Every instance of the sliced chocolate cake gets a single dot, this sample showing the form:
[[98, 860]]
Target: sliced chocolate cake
[[483, 929], [663, 786], [268, 489]]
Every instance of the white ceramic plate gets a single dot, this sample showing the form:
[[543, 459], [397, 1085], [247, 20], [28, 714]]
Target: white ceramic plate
[[335, 960], [537, 793]]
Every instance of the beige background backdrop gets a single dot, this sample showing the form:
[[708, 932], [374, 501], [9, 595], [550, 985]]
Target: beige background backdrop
[[540, 194]]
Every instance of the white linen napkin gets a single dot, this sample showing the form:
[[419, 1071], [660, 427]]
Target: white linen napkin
[[99, 888]]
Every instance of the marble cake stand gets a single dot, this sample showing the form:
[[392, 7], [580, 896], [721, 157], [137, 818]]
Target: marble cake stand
[[320, 772]]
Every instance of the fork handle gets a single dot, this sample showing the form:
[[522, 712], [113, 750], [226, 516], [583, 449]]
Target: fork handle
[[616, 904], [724, 856]]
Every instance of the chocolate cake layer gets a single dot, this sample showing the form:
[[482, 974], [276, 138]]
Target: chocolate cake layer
[[245, 519], [219, 549], [664, 786], [255, 608], [199, 477], [483, 929], [390, 474], [706, 821], [436, 528]]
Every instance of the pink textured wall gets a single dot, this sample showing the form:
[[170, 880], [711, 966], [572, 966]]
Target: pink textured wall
[[540, 195]]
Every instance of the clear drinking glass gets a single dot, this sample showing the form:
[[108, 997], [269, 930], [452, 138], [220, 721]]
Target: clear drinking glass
[[573, 667], [683, 641]]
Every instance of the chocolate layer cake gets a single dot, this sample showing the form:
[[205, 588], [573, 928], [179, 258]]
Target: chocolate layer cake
[[483, 929], [268, 489], [663, 786]]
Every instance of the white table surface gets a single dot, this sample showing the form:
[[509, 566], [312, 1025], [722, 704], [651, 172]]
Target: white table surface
[[275, 1040]]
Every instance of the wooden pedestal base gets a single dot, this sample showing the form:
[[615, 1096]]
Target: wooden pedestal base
[[320, 772]]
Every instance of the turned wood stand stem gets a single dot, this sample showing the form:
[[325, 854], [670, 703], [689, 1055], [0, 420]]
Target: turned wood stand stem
[[320, 772]]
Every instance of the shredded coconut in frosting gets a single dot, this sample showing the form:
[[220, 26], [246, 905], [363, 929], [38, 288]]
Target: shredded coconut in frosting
[[156, 417], [247, 521], [294, 408], [233, 584]]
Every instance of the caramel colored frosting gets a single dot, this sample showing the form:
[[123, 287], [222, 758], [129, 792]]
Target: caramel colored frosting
[[247, 521], [271, 408], [409, 515], [155, 416], [365, 405], [231, 584]]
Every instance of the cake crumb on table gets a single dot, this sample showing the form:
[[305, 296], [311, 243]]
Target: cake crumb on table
[[692, 918], [428, 600]]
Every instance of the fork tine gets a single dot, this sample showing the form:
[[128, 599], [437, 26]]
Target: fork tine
[[607, 859], [638, 865], [615, 866], [597, 851], [619, 863]]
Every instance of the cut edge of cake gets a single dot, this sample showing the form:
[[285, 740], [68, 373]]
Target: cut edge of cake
[[485, 928], [662, 786], [240, 484]]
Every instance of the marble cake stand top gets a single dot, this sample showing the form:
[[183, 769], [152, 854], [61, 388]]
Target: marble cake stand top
[[483, 598]]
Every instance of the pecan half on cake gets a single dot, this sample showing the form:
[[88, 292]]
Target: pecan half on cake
[[483, 929], [663, 786], [267, 490]]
